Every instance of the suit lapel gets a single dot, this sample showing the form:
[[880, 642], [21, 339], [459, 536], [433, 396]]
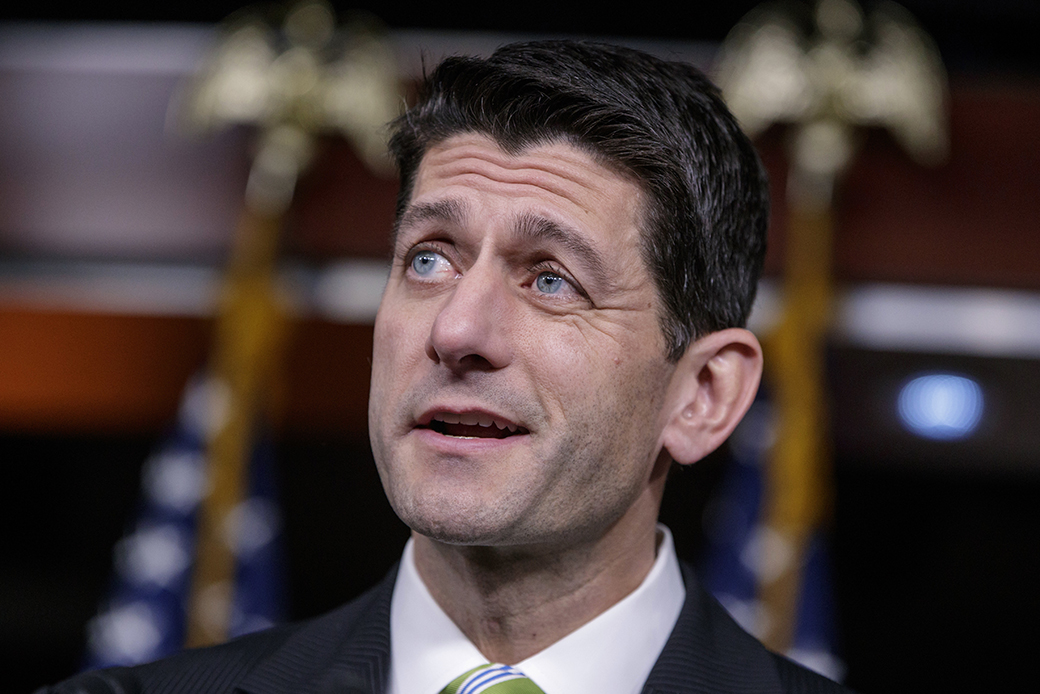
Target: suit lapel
[[344, 652], [708, 652], [348, 652]]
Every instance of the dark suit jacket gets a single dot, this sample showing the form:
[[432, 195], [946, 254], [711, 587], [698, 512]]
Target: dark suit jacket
[[347, 651]]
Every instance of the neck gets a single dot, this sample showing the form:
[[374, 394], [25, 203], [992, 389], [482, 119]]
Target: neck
[[512, 602]]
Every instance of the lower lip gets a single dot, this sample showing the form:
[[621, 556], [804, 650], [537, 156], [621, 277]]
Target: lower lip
[[459, 444]]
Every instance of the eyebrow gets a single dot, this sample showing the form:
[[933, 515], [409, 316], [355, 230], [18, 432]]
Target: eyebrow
[[450, 211], [532, 229]]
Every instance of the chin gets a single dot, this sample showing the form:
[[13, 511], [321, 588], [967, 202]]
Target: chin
[[454, 529], [456, 522]]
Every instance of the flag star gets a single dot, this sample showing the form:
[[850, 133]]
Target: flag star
[[127, 634], [176, 480], [156, 555]]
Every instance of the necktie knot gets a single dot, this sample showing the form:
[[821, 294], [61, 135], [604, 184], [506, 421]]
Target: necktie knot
[[493, 678]]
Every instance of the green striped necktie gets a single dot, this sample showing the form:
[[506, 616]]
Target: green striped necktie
[[493, 679]]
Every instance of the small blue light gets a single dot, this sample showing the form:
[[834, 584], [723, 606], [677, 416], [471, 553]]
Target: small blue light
[[941, 406]]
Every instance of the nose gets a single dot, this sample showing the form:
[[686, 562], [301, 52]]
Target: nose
[[470, 331]]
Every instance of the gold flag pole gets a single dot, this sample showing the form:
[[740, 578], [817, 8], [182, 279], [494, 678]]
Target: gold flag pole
[[250, 333], [824, 85], [283, 84]]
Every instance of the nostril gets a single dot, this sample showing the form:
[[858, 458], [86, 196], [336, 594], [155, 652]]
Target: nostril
[[475, 362]]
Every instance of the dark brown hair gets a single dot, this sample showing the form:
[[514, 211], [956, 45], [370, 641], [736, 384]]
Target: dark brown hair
[[662, 122]]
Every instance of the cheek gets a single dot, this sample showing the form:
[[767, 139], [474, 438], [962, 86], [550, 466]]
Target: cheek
[[562, 362], [588, 376], [383, 340], [382, 357], [600, 349], [398, 345], [400, 336]]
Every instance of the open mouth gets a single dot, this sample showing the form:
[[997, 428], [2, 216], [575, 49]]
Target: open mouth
[[473, 425]]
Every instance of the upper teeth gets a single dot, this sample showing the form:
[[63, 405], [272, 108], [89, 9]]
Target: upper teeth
[[474, 418]]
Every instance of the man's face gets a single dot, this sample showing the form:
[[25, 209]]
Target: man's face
[[519, 369]]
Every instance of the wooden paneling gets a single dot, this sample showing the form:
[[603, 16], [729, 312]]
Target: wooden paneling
[[973, 220], [74, 372], [327, 377], [341, 208], [89, 372]]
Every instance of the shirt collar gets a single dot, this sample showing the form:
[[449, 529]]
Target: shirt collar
[[428, 650]]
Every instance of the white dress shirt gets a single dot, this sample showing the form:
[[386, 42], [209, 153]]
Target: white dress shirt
[[612, 654]]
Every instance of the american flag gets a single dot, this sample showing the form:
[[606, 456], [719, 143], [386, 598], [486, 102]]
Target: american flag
[[741, 551], [143, 616]]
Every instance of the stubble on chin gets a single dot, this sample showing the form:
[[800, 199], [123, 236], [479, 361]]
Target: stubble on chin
[[457, 512]]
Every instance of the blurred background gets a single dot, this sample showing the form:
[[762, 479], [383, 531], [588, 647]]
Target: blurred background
[[115, 229]]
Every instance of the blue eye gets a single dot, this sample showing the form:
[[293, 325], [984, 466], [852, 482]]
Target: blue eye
[[550, 283], [425, 262]]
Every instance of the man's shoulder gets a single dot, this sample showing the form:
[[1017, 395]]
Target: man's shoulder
[[200, 670], [222, 668], [799, 679], [709, 648]]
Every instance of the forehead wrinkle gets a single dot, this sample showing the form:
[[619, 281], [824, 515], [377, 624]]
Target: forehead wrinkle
[[531, 229], [563, 173]]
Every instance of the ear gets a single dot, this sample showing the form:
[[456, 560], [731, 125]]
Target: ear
[[712, 387]]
